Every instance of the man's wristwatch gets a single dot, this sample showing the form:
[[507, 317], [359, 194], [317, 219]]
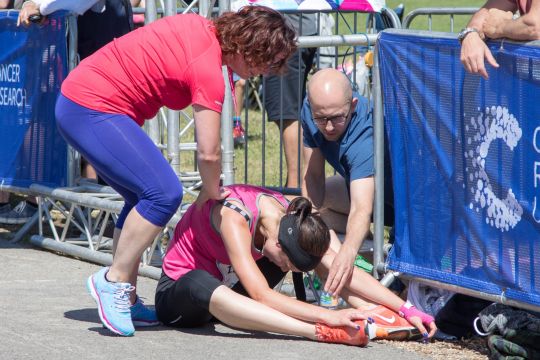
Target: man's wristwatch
[[463, 33]]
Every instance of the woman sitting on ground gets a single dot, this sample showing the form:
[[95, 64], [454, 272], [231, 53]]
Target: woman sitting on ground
[[255, 236]]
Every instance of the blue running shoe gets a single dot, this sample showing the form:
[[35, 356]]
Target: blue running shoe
[[113, 302], [143, 316]]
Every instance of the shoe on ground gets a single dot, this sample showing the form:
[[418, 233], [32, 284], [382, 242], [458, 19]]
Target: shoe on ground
[[343, 334], [5, 209], [390, 326], [113, 303], [20, 214], [141, 316]]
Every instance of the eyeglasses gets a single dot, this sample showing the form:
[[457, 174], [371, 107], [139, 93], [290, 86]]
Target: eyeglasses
[[335, 120]]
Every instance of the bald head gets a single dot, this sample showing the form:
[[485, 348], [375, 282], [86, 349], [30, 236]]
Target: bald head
[[330, 97], [329, 87]]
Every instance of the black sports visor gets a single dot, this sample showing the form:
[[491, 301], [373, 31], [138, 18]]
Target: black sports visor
[[288, 239]]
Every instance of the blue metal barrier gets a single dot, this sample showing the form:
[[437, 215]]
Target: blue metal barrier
[[465, 156], [33, 64]]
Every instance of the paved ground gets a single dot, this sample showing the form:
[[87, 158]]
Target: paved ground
[[46, 313]]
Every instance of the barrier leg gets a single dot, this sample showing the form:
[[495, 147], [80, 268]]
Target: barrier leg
[[87, 254], [25, 228]]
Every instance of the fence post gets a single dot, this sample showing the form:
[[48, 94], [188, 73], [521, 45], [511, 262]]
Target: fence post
[[378, 144], [73, 157], [227, 143], [151, 127], [173, 123], [206, 7]]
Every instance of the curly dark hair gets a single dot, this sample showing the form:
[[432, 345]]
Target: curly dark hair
[[260, 34]]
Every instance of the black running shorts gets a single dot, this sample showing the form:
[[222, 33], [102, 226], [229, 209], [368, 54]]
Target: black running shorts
[[186, 301]]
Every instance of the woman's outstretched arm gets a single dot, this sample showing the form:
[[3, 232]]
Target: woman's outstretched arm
[[362, 286], [237, 239]]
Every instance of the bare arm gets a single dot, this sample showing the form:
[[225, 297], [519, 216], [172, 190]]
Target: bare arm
[[478, 19], [362, 286], [237, 239], [473, 48], [47, 7], [208, 136], [358, 222], [313, 181], [6, 4], [500, 24]]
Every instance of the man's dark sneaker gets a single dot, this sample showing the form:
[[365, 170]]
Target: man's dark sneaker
[[19, 214], [5, 209]]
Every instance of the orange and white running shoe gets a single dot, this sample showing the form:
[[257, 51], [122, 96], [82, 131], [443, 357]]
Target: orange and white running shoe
[[343, 334], [388, 325]]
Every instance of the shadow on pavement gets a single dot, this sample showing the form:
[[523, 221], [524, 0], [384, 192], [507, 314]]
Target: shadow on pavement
[[86, 315], [91, 315]]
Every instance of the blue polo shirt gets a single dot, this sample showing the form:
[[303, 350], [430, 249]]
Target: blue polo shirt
[[352, 155]]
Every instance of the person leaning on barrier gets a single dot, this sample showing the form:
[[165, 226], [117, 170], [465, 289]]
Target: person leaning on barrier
[[337, 127], [107, 98], [494, 21], [42, 8]]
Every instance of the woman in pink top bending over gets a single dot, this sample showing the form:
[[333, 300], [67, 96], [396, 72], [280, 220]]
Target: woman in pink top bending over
[[226, 257]]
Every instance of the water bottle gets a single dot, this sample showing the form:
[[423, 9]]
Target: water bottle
[[328, 301]]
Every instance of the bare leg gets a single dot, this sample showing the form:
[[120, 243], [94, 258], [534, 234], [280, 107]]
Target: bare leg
[[134, 272], [336, 204], [334, 220], [88, 170], [239, 86], [137, 234], [290, 145], [116, 236], [244, 313]]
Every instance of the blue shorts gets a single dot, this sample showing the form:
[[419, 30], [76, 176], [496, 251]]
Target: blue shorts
[[125, 157]]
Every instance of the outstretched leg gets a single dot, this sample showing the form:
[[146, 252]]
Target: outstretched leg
[[193, 299], [245, 313]]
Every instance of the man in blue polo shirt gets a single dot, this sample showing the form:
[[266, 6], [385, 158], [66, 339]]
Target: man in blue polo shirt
[[337, 127]]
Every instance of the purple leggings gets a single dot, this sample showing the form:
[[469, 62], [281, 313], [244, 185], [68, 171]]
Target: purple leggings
[[125, 157]]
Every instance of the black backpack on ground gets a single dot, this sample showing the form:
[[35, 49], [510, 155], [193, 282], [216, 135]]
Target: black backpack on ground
[[457, 316], [513, 333]]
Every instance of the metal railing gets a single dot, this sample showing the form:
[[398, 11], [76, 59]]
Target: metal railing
[[430, 12], [88, 207]]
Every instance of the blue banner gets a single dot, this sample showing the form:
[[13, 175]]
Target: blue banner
[[465, 156], [33, 64]]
